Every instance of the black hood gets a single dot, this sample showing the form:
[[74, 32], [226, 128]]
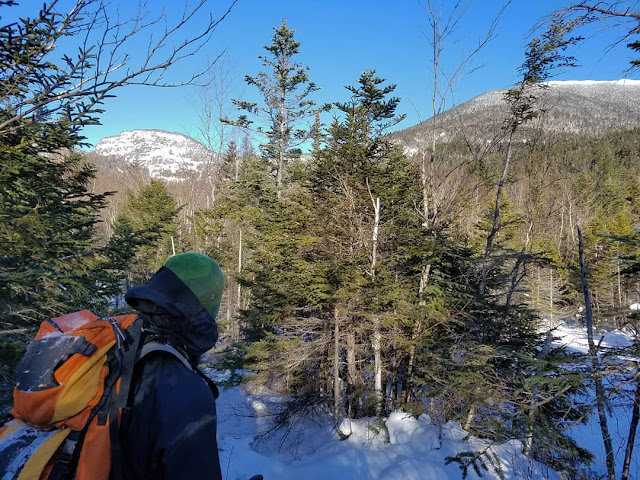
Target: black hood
[[190, 321]]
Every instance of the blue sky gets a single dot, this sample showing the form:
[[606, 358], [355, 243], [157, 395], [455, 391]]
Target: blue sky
[[339, 39]]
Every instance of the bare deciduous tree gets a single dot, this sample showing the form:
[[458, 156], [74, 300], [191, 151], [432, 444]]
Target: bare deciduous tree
[[75, 85]]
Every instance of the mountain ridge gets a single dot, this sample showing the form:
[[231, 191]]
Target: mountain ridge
[[574, 107]]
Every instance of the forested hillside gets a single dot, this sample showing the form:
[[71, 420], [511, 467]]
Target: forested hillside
[[362, 277]]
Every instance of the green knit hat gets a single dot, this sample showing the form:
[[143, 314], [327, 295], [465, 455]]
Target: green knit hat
[[202, 276]]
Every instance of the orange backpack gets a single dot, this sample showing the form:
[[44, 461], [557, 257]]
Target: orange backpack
[[71, 387]]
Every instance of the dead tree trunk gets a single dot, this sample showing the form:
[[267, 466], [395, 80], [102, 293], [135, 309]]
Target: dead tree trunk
[[336, 365], [516, 277], [595, 363], [633, 427], [495, 227]]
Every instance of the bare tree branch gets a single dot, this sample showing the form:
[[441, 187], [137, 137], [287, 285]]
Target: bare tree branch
[[76, 87]]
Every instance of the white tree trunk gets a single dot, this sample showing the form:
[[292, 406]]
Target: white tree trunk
[[336, 365], [377, 335], [239, 288]]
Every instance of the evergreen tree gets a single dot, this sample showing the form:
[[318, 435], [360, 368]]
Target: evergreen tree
[[285, 89], [151, 214], [360, 183], [47, 229]]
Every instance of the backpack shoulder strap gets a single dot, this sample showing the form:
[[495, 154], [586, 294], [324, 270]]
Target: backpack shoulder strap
[[212, 386], [154, 346]]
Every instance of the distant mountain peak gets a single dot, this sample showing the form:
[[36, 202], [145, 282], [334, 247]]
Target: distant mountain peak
[[168, 155]]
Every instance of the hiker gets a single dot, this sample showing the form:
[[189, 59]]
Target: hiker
[[119, 398], [169, 432]]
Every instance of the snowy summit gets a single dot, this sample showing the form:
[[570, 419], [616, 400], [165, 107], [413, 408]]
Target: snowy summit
[[166, 155], [572, 107]]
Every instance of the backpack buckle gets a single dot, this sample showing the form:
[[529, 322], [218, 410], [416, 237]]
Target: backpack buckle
[[68, 447]]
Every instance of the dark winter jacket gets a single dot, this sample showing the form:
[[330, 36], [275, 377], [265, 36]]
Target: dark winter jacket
[[169, 431]]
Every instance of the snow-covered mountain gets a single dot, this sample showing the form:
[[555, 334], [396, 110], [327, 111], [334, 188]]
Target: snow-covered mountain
[[574, 107], [167, 155]]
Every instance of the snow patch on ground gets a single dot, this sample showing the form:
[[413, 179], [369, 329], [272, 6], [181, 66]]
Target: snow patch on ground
[[573, 336], [403, 447]]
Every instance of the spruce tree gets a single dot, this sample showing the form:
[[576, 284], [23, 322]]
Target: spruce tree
[[285, 89], [151, 214], [360, 183]]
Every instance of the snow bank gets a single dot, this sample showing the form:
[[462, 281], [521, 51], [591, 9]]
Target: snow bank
[[401, 447], [574, 337]]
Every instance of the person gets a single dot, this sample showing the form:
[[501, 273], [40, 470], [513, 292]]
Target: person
[[169, 430]]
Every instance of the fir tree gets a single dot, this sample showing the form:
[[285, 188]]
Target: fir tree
[[285, 89], [151, 214]]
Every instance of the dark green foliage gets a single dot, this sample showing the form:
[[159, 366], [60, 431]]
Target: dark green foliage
[[477, 461], [48, 224], [234, 360], [149, 219], [12, 347], [52, 260]]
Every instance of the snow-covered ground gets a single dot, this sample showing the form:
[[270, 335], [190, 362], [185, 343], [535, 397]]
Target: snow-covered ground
[[573, 336], [413, 448], [410, 448]]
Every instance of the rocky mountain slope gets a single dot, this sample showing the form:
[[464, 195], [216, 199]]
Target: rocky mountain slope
[[571, 107], [167, 155]]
